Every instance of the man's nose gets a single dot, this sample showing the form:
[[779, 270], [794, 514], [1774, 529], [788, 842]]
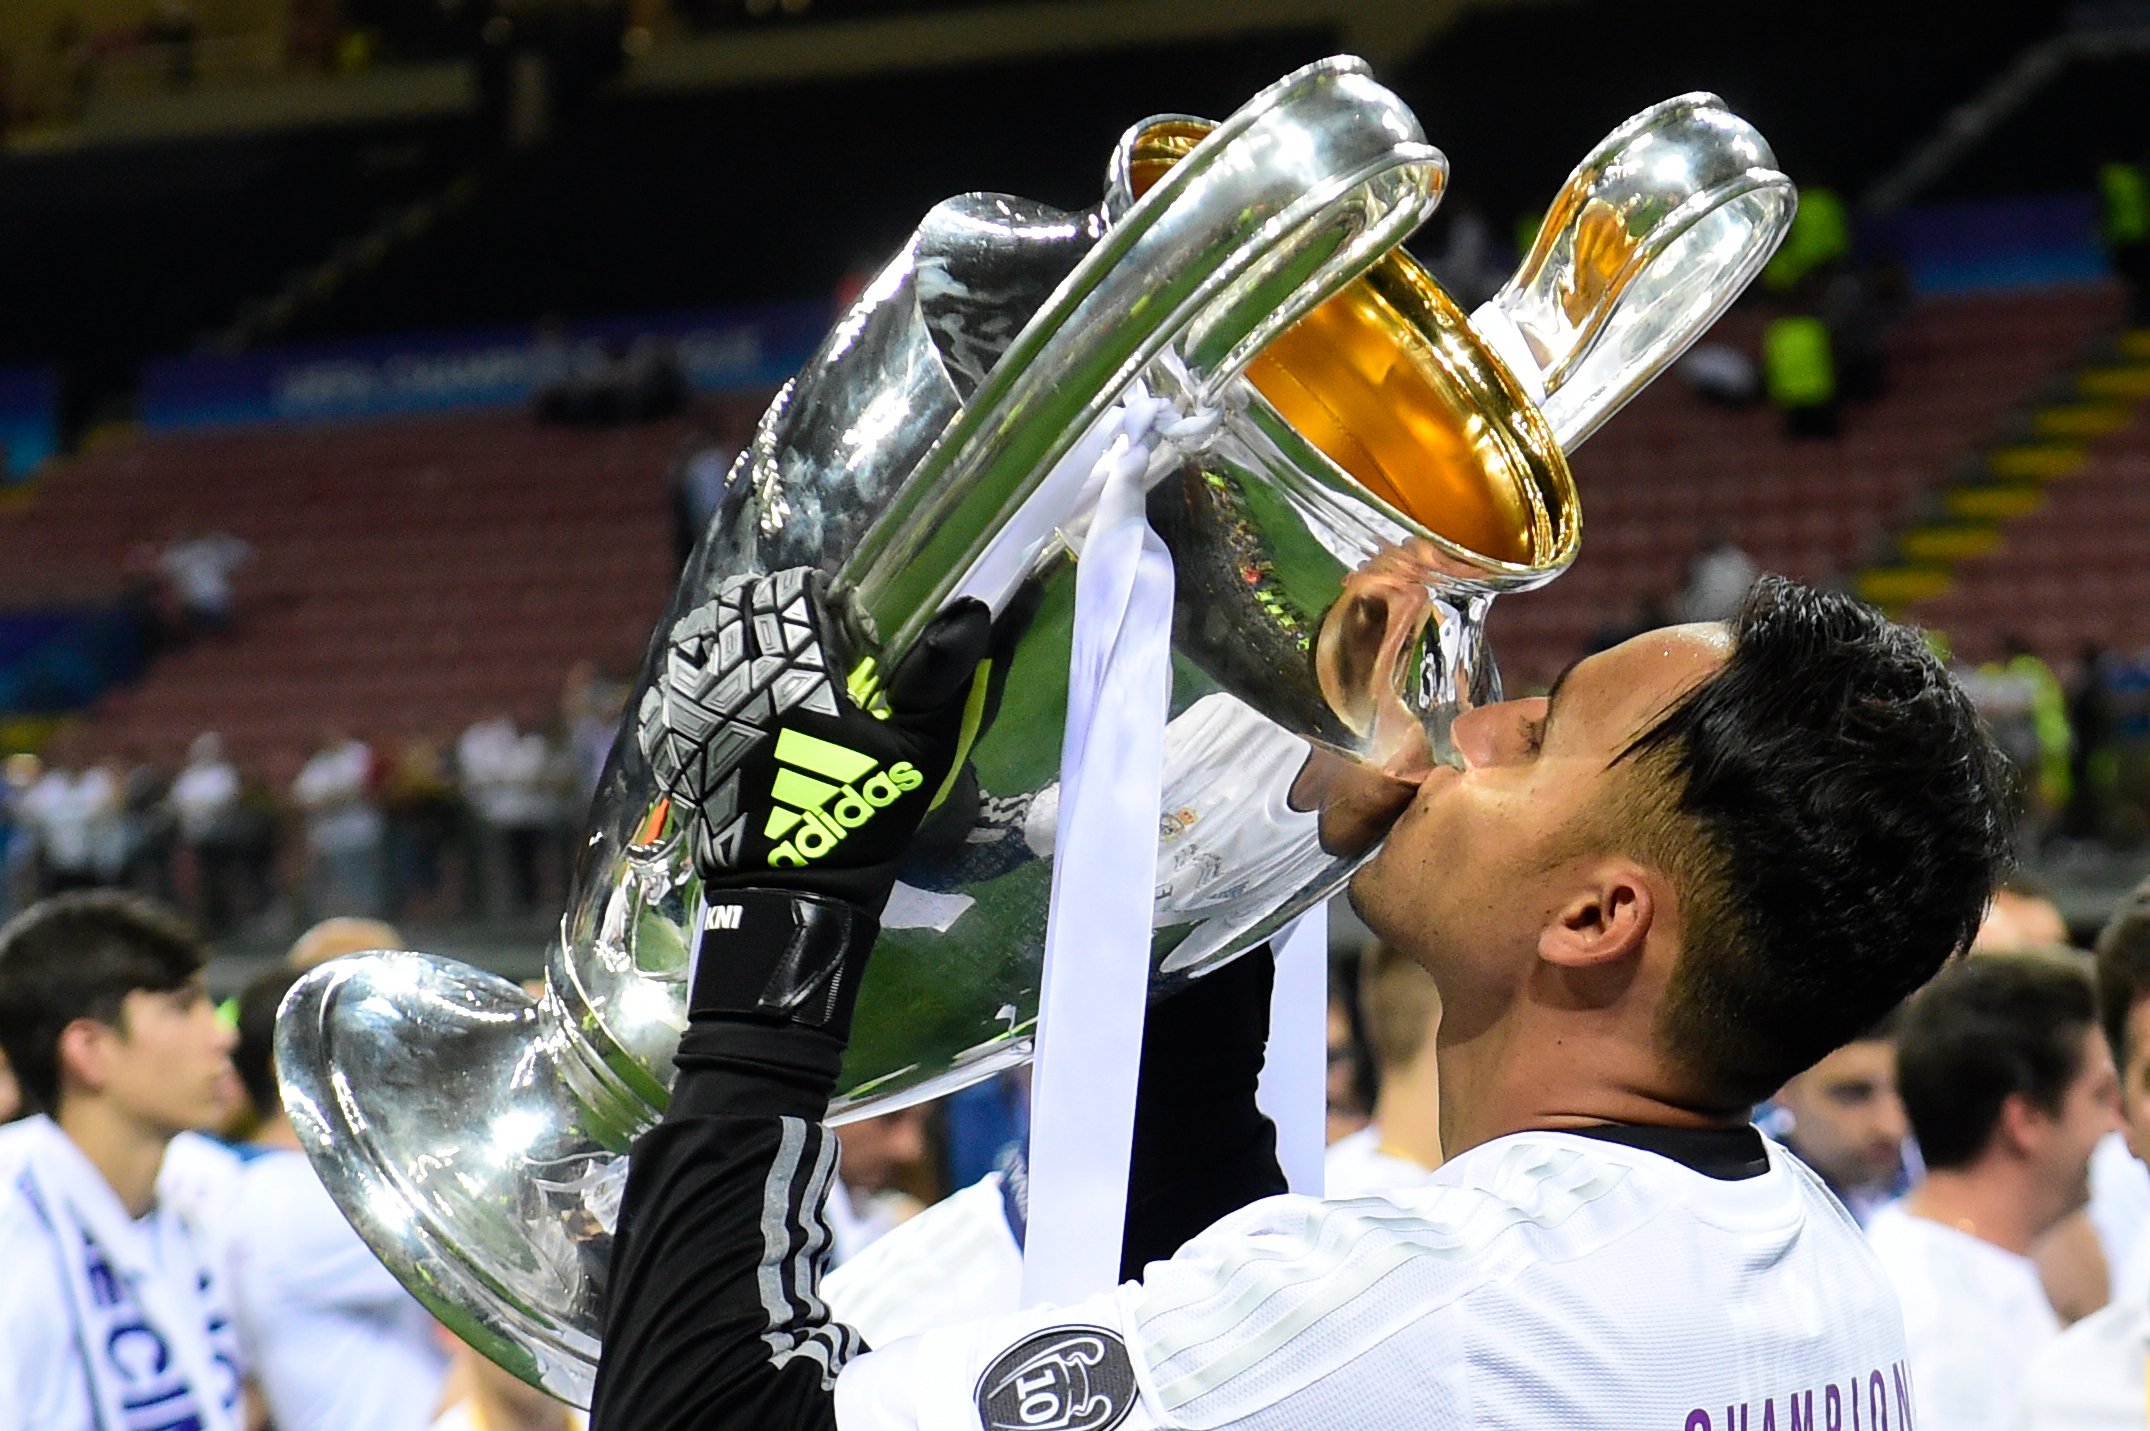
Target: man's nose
[[1890, 1122]]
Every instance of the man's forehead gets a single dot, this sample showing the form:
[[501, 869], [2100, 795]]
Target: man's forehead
[[1643, 676]]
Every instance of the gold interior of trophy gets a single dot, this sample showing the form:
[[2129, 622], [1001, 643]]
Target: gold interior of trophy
[[1389, 380]]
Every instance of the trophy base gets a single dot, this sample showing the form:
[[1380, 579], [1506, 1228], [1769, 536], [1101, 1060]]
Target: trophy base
[[469, 1165]]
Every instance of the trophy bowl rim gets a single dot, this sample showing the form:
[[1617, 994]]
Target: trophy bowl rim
[[441, 1271]]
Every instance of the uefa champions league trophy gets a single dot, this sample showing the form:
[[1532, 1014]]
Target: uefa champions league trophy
[[1375, 469]]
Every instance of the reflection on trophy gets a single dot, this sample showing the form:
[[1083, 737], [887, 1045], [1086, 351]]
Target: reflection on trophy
[[1383, 466]]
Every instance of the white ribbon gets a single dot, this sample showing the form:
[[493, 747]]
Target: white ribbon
[[1097, 940], [1294, 1087]]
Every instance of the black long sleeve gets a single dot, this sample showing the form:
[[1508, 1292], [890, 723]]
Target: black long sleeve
[[1202, 1148]]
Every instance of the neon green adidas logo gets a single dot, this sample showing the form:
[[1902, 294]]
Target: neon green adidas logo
[[815, 811]]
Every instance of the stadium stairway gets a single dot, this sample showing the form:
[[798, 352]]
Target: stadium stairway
[[2048, 442], [406, 579], [1672, 472], [2062, 526]]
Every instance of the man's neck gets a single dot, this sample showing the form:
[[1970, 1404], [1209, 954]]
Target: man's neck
[[1500, 1083], [517, 1411], [1991, 1201], [1408, 1112], [128, 1155], [276, 1132]]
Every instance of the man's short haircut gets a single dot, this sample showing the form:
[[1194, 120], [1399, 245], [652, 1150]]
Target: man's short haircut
[[2123, 952], [1834, 817], [1986, 1029], [1397, 1005], [78, 956], [255, 1054]]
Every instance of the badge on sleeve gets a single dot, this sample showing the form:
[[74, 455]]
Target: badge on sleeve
[[1062, 1379]]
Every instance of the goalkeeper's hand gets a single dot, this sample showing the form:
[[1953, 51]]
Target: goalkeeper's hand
[[798, 785]]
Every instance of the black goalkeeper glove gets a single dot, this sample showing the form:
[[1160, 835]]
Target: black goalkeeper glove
[[800, 787]]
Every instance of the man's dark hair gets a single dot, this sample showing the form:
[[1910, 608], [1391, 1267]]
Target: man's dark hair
[[255, 1055], [1835, 818], [1993, 1026], [78, 956], [2123, 951]]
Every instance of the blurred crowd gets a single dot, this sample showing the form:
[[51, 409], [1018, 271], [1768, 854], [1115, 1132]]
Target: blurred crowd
[[477, 826]]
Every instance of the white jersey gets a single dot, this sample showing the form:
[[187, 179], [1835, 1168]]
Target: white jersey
[[1975, 1314], [2120, 1213], [2091, 1376], [334, 1339], [955, 1262], [1226, 826], [1356, 1165], [1540, 1280], [141, 1308], [199, 1178]]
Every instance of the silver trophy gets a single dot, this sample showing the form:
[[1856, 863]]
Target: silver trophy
[[1383, 468]]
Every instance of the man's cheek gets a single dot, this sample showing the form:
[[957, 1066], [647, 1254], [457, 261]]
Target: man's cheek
[[2135, 1111]]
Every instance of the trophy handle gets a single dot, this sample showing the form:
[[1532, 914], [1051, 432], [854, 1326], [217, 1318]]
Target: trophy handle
[[1282, 205], [1649, 240]]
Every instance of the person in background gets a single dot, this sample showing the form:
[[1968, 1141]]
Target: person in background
[[337, 936], [334, 1339], [1844, 1119], [18, 843], [200, 570], [74, 816], [2022, 916], [1717, 578], [1345, 1113], [2124, 227], [487, 1398], [509, 780], [590, 707], [110, 1302], [2009, 1086], [1402, 1144], [865, 1204], [147, 831], [205, 802], [343, 826], [2091, 1377], [423, 814], [2078, 1258]]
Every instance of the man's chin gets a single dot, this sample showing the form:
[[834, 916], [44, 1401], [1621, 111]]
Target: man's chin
[[1363, 893]]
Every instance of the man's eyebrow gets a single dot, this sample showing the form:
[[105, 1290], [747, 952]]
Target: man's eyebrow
[[1552, 696]]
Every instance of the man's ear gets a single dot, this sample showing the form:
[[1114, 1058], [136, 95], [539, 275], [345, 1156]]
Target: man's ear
[[2022, 1122], [85, 1054], [1605, 918]]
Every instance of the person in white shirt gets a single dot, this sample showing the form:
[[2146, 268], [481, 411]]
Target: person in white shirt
[[2091, 1377], [1845, 1121], [334, 1339], [1708, 857], [112, 1307], [205, 800], [2009, 1086], [1400, 1009], [200, 569], [511, 781], [343, 826], [75, 817]]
